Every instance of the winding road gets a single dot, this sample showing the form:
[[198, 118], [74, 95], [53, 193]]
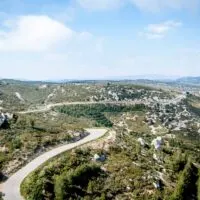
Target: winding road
[[11, 188], [50, 106]]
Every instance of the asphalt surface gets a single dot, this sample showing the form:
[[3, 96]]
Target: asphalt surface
[[50, 106], [11, 188]]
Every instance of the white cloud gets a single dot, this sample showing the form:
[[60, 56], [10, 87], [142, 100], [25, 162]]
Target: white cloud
[[33, 33], [152, 36], [157, 31], [162, 28], [29, 43]]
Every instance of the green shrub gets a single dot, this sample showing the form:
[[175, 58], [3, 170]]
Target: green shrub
[[32, 187], [16, 143], [178, 162], [3, 159], [1, 198], [198, 186], [186, 183], [71, 184], [96, 112]]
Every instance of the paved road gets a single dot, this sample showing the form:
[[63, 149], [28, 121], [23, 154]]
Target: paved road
[[11, 188], [49, 106]]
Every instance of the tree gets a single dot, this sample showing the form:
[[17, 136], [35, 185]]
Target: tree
[[179, 160], [1, 196], [32, 123], [74, 183], [32, 187], [103, 196], [185, 186], [90, 187], [198, 186], [1, 174]]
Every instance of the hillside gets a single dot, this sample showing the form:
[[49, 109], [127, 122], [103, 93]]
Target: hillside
[[153, 156], [151, 150]]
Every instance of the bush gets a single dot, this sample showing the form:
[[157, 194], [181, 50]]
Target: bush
[[198, 186], [96, 112], [1, 198], [186, 183], [72, 184], [3, 159], [32, 187], [16, 143], [178, 162]]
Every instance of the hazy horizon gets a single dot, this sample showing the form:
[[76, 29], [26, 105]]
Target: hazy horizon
[[134, 77]]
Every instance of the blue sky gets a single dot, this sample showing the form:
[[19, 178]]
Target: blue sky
[[89, 39]]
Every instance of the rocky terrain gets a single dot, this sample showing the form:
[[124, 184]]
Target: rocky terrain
[[152, 150]]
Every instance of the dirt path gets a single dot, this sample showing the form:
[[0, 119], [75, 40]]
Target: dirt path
[[11, 188]]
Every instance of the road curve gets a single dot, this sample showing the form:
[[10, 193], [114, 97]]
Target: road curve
[[49, 106], [11, 188]]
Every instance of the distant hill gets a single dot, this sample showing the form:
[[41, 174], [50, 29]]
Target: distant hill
[[143, 79], [23, 82], [189, 80]]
